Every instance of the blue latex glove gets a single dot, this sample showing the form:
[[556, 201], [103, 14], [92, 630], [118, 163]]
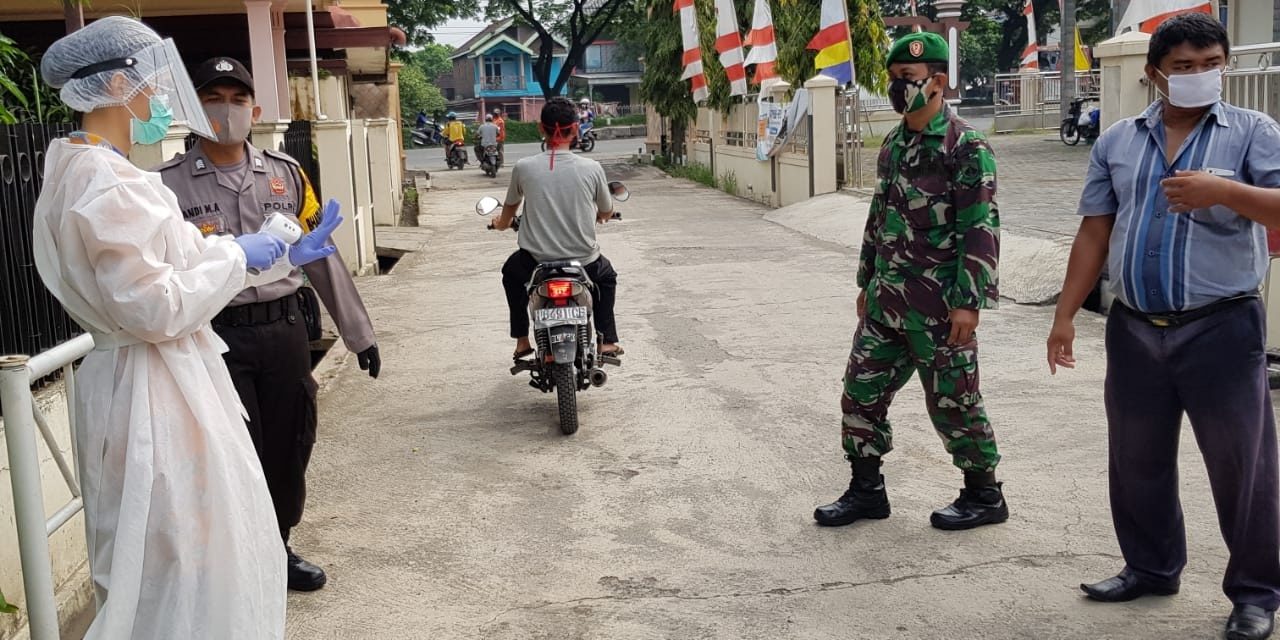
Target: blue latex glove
[[261, 250], [315, 245]]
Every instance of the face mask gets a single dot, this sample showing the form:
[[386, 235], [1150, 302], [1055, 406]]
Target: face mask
[[231, 122], [1195, 90], [909, 95], [152, 130]]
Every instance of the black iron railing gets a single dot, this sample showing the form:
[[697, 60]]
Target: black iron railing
[[298, 143], [31, 319]]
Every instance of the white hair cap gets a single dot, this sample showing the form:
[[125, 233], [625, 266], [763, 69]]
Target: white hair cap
[[83, 63]]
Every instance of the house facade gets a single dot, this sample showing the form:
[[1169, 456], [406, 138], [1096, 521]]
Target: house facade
[[494, 70], [610, 74]]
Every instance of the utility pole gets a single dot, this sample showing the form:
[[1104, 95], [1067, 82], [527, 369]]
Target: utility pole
[[1067, 56], [73, 14]]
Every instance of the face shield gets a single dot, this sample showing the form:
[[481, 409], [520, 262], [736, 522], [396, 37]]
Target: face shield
[[161, 69]]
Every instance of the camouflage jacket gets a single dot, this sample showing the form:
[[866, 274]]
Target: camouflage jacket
[[932, 241]]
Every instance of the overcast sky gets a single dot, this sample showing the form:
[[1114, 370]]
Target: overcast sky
[[456, 32]]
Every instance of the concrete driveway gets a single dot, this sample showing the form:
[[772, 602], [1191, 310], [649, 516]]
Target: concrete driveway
[[445, 503]]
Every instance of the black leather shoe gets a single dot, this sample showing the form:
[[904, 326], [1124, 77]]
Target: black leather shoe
[[866, 498], [304, 576], [1123, 588], [981, 502], [1250, 622]]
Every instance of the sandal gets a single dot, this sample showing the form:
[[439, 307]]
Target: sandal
[[613, 354]]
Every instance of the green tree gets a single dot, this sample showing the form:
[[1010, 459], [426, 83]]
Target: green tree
[[796, 22], [577, 22], [661, 87], [432, 59], [417, 93], [24, 97], [418, 17]]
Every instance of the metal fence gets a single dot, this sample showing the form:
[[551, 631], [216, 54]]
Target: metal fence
[[299, 144], [1033, 100], [31, 319]]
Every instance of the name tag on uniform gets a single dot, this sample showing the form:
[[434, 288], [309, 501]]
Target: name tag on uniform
[[211, 225]]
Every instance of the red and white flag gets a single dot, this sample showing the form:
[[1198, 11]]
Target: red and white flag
[[729, 46], [764, 47], [692, 50], [1146, 15], [1030, 55]]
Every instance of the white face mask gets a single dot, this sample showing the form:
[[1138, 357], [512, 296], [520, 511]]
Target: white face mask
[[1195, 90]]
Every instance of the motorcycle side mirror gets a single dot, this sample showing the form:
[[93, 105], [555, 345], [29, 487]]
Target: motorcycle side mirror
[[619, 191], [487, 205]]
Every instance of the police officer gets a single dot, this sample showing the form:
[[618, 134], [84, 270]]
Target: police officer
[[928, 265], [227, 186]]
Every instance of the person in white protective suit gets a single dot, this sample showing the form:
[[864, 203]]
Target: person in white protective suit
[[182, 536]]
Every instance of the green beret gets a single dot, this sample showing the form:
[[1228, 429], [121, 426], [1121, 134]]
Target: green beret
[[919, 47]]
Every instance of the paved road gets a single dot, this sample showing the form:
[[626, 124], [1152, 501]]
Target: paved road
[[432, 159], [445, 504]]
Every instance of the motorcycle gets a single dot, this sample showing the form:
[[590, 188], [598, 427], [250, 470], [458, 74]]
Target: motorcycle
[[1080, 124], [489, 161], [585, 141], [567, 356], [457, 155], [428, 135]]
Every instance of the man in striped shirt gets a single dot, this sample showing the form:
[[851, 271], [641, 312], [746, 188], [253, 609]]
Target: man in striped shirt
[[1176, 203]]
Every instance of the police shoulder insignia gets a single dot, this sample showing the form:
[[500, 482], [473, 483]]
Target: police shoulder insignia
[[200, 164], [277, 186], [917, 49], [257, 162]]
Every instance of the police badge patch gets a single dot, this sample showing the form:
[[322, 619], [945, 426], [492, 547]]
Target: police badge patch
[[210, 226], [277, 186]]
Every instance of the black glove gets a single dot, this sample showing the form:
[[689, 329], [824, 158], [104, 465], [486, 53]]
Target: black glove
[[370, 361]]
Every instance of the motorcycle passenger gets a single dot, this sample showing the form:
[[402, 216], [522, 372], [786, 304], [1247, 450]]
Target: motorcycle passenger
[[487, 135], [455, 132], [501, 123], [567, 195]]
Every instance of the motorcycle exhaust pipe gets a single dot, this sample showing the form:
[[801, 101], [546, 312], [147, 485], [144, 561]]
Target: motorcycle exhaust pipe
[[598, 377]]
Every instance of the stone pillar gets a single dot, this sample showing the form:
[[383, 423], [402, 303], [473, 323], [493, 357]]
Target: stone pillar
[[1124, 87], [364, 193], [822, 134], [951, 27], [263, 54], [269, 135], [333, 140], [151, 156], [282, 73], [381, 172]]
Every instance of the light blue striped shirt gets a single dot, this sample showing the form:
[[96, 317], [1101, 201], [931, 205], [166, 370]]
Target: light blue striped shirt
[[1161, 261]]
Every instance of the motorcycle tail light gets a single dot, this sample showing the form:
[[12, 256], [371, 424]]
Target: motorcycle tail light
[[560, 289]]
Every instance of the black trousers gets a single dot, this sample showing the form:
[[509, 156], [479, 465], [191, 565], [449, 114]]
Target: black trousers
[[1214, 370], [270, 365], [519, 269]]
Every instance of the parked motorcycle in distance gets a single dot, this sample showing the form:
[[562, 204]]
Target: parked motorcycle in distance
[[567, 356], [1080, 124]]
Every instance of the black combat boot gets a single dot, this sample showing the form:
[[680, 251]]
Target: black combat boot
[[866, 497], [981, 502]]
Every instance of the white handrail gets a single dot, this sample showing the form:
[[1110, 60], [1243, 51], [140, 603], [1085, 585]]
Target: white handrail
[[17, 374]]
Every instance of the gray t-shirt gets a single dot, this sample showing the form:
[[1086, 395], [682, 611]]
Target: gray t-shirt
[[562, 202], [488, 134]]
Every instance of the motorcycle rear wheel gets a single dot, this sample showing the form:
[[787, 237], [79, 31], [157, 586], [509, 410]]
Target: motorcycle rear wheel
[[564, 378], [1070, 134], [588, 145]]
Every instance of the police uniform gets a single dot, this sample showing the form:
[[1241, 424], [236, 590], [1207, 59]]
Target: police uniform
[[269, 353], [931, 246]]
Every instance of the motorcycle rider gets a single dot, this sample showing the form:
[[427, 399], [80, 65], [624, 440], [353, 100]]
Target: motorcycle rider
[[487, 135], [567, 196], [456, 133]]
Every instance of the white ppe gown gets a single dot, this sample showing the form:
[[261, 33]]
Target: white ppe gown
[[182, 536]]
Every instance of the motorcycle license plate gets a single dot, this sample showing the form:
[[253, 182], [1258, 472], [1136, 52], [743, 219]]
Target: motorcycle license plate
[[556, 316]]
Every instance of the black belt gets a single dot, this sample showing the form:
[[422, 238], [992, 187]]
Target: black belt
[[257, 313], [1179, 318]]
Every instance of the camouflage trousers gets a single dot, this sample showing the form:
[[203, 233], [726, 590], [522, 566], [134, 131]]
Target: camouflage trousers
[[883, 360]]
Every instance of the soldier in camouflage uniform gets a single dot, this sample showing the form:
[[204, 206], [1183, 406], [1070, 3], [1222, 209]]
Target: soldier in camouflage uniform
[[928, 265]]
